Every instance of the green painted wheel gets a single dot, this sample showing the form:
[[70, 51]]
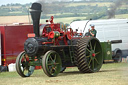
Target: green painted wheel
[[22, 65], [51, 63], [89, 55]]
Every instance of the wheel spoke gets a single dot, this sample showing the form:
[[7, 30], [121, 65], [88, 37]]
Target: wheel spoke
[[95, 47], [91, 45], [89, 62], [88, 56], [88, 50], [56, 63], [25, 58], [92, 64], [55, 68], [96, 60], [50, 64], [51, 58], [97, 53], [53, 64], [24, 69], [50, 70], [55, 58]]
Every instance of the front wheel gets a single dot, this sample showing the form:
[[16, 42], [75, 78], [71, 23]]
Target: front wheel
[[51, 63], [22, 65]]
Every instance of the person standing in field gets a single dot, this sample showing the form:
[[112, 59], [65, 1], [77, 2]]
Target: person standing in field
[[92, 32]]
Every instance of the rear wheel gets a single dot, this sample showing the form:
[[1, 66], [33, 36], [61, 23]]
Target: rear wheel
[[89, 55], [22, 65], [51, 63], [117, 58]]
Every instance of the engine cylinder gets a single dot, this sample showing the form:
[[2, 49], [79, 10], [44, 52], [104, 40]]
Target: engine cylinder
[[54, 34]]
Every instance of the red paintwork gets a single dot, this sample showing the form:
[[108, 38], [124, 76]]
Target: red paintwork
[[56, 27], [12, 39], [93, 55], [51, 34]]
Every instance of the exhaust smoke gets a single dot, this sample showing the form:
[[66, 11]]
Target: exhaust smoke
[[114, 7]]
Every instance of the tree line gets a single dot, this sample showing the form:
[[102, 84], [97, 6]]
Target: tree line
[[88, 11]]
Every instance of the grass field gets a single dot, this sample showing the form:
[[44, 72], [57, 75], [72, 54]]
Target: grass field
[[13, 19], [110, 74], [24, 19]]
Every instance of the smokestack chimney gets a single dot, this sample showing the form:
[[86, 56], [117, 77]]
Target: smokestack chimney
[[35, 11]]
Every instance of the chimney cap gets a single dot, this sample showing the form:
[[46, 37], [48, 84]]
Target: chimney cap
[[36, 7]]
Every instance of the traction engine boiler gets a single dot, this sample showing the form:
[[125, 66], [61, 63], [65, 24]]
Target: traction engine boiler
[[55, 49]]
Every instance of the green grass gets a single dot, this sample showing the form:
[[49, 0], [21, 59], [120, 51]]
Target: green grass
[[110, 74]]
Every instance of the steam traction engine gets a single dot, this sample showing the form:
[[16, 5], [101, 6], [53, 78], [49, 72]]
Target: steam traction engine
[[55, 49]]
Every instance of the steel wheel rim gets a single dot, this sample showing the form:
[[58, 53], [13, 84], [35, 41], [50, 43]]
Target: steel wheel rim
[[53, 63], [93, 50]]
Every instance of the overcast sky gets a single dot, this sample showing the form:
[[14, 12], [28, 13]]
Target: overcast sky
[[15, 1]]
